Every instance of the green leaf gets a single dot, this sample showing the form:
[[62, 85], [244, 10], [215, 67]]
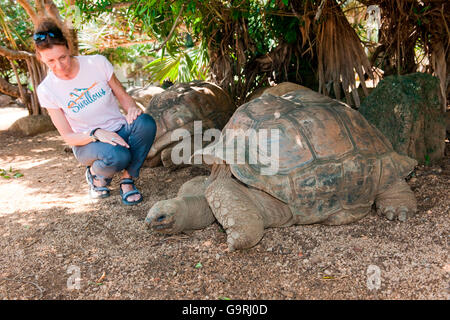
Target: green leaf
[[198, 265], [18, 175], [290, 36], [286, 2], [224, 298], [6, 177]]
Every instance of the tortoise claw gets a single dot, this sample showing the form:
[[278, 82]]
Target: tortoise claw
[[390, 214], [403, 215]]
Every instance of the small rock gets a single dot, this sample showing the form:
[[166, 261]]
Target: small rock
[[67, 149], [207, 243], [5, 100], [269, 249], [32, 125], [288, 294]]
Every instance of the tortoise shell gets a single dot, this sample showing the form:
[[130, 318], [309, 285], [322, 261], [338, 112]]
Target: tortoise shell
[[182, 104], [329, 156]]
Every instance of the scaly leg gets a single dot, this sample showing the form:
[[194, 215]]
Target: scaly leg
[[236, 212], [397, 202]]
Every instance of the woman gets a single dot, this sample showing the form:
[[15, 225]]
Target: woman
[[80, 94]]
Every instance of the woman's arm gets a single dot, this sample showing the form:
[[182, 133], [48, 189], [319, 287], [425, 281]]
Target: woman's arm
[[66, 132], [126, 101], [81, 139]]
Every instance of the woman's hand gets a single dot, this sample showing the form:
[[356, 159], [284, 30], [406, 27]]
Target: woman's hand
[[133, 113], [110, 137], [125, 100]]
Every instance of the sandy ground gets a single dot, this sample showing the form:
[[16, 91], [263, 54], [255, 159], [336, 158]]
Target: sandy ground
[[56, 243]]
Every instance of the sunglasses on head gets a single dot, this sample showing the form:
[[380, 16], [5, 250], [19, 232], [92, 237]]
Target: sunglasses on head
[[41, 36]]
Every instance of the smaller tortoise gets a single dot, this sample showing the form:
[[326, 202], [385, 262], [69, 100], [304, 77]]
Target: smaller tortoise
[[332, 166], [178, 107]]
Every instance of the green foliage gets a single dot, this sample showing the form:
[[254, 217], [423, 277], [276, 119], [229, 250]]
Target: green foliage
[[179, 65], [258, 29], [427, 160], [7, 174], [16, 30], [281, 27], [16, 26]]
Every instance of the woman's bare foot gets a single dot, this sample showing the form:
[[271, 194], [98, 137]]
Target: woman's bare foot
[[96, 183]]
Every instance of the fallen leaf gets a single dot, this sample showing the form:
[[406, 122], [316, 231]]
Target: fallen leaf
[[300, 254], [198, 265], [100, 280]]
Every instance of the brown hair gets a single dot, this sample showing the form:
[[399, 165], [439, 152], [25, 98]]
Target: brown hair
[[50, 35]]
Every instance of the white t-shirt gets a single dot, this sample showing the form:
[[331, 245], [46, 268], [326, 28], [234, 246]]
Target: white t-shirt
[[86, 100]]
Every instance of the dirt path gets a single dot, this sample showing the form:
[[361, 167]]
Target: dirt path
[[50, 232]]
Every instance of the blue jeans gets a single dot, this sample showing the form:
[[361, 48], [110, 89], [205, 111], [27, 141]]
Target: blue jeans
[[106, 159]]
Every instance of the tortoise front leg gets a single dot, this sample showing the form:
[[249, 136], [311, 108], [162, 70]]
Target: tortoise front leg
[[236, 212]]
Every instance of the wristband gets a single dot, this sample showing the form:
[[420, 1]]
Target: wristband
[[92, 135]]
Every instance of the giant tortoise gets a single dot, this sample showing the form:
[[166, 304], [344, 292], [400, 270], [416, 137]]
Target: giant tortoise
[[179, 107], [332, 166]]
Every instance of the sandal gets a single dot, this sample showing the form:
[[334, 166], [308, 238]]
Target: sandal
[[94, 191], [129, 193]]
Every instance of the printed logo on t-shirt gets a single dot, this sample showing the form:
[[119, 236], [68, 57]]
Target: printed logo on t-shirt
[[82, 97]]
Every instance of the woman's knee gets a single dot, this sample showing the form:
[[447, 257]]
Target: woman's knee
[[145, 122], [118, 159]]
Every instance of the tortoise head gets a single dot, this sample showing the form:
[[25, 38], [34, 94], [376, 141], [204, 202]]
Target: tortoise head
[[167, 216]]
